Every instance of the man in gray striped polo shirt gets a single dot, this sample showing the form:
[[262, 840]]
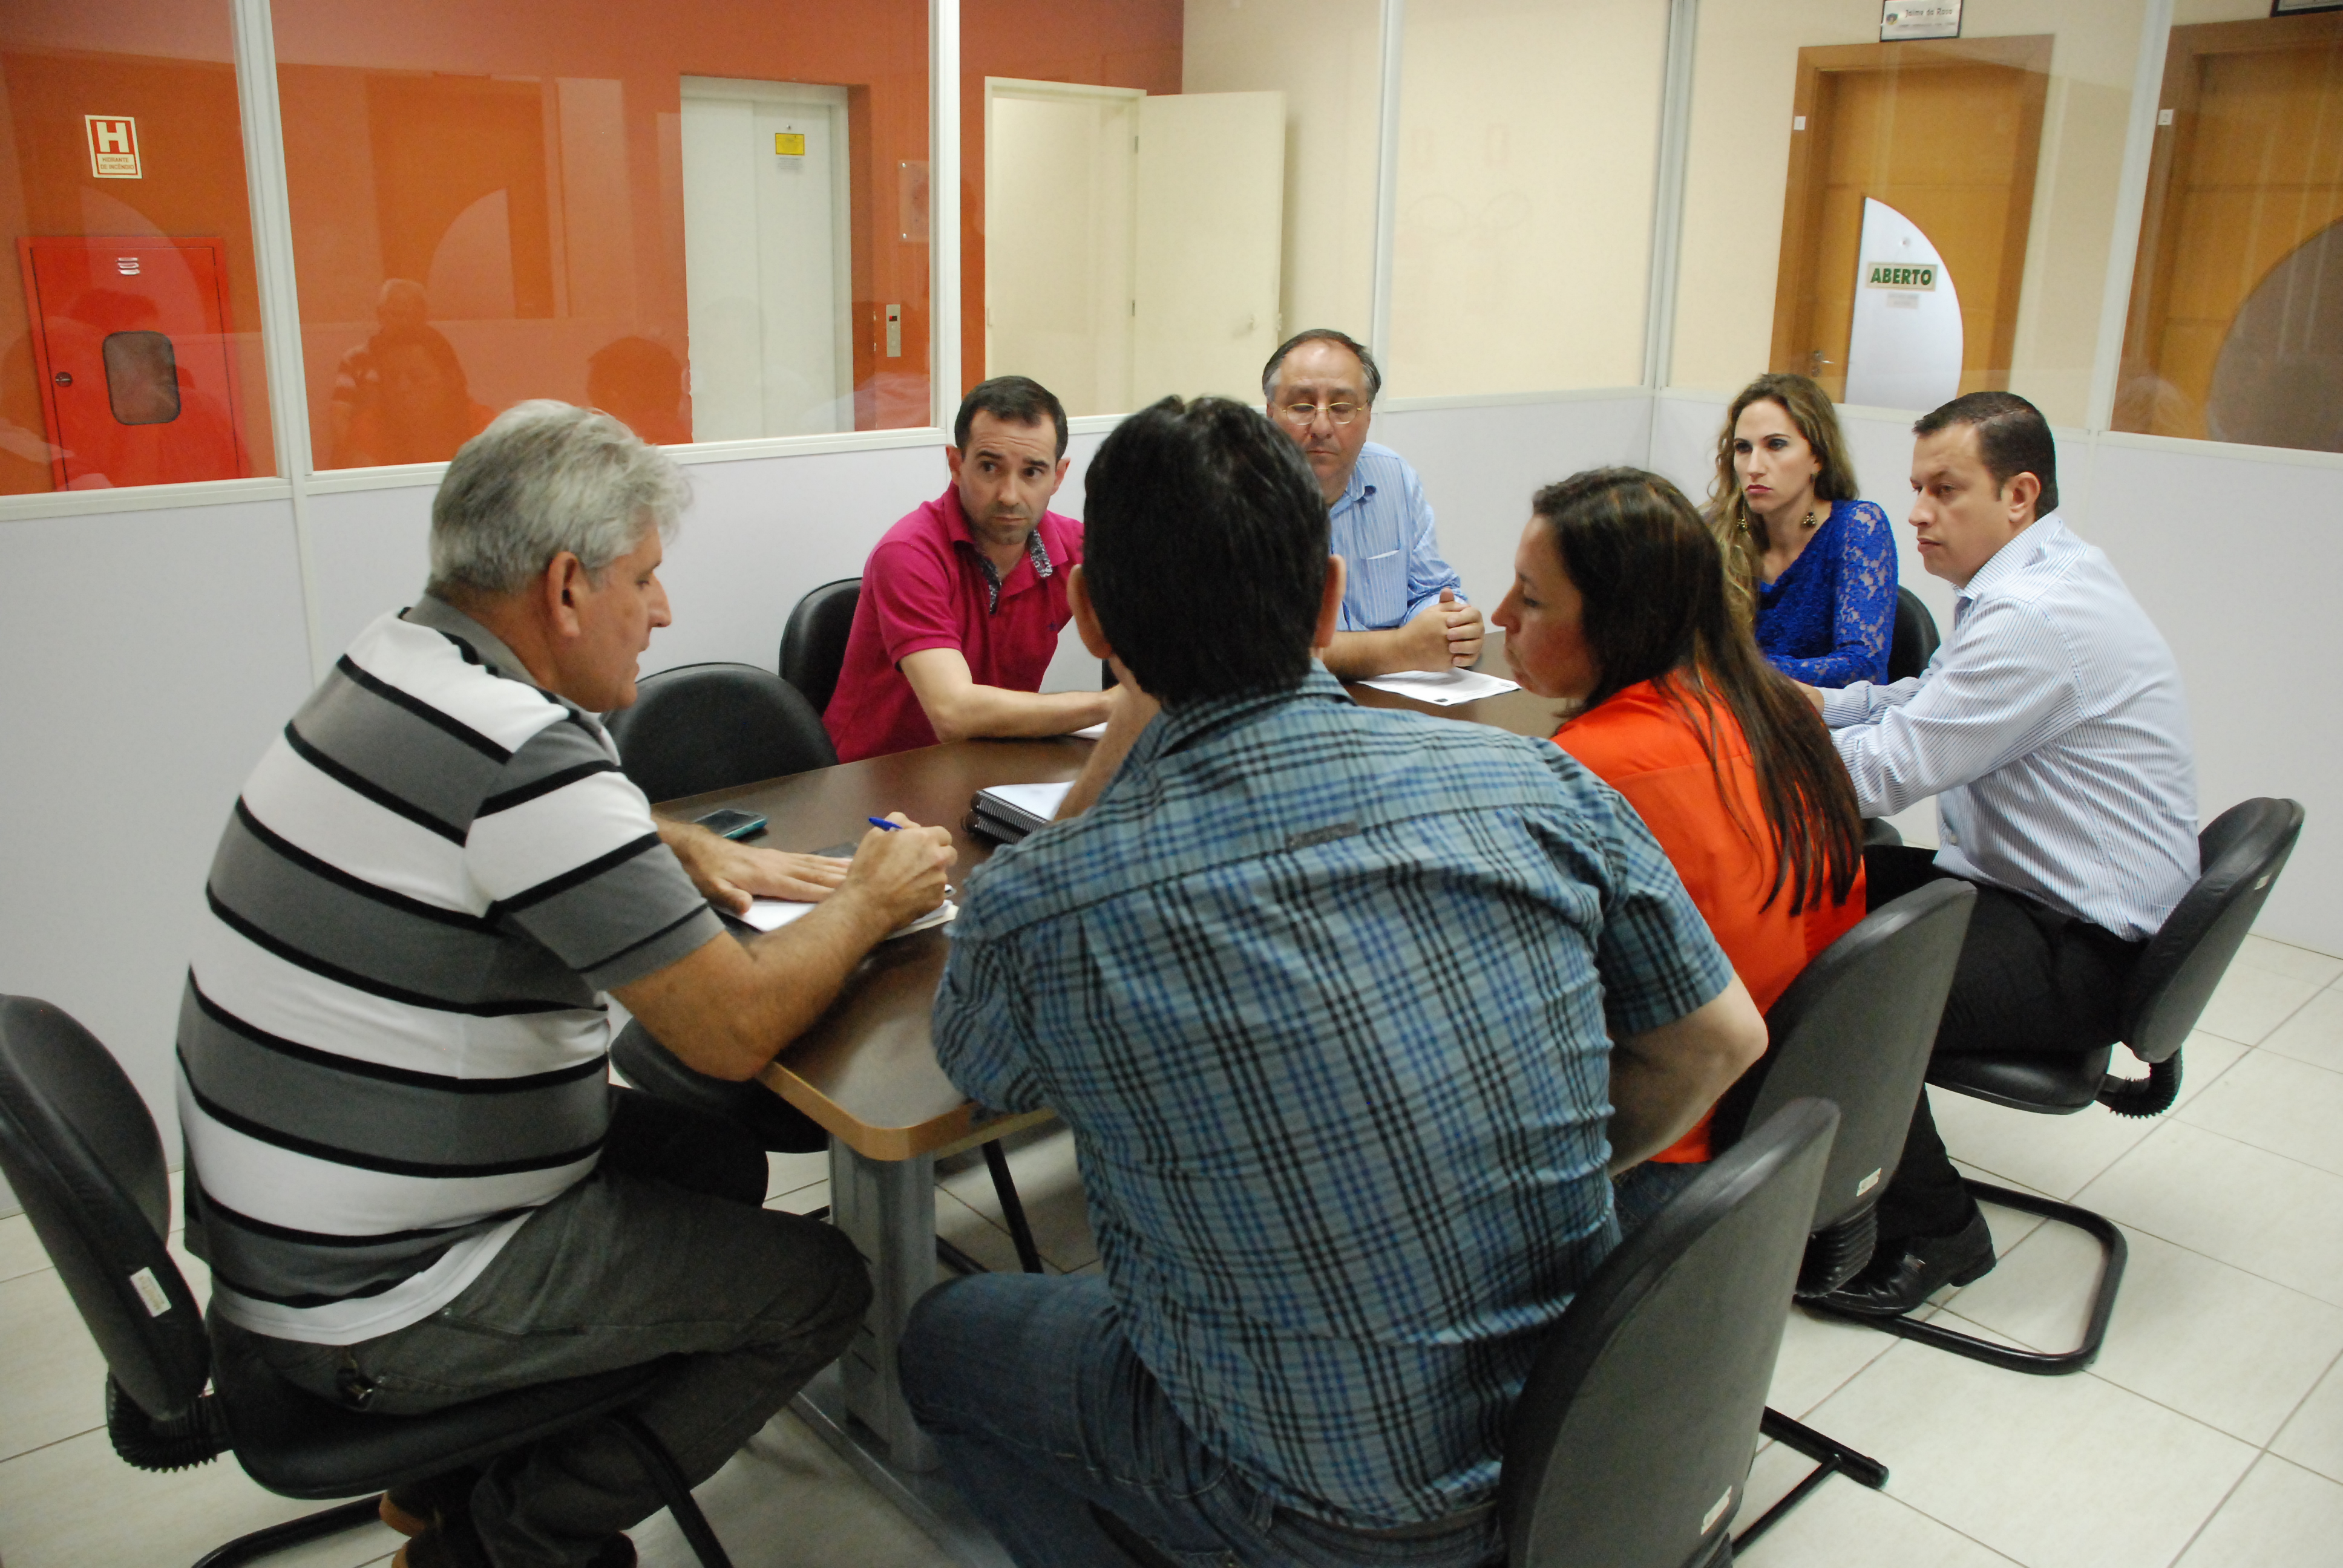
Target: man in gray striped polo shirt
[[406, 1166]]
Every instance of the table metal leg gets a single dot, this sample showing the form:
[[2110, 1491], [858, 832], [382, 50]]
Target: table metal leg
[[888, 1209]]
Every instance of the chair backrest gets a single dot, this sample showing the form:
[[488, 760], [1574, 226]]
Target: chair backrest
[[813, 643], [1855, 1028], [704, 727], [1632, 1439], [1915, 642], [2240, 853], [81, 1151]]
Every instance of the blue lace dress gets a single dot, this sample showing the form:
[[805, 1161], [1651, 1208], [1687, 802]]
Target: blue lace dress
[[1827, 621]]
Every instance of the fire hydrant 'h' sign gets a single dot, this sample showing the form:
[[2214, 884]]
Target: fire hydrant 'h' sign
[[113, 146]]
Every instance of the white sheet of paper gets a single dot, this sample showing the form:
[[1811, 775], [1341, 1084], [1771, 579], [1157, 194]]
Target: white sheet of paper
[[1041, 799], [772, 914], [1446, 687], [1090, 733]]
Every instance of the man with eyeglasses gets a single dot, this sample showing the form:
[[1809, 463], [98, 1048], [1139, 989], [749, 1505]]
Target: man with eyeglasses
[[1404, 608]]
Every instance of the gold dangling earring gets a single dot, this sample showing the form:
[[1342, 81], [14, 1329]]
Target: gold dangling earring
[[1809, 522]]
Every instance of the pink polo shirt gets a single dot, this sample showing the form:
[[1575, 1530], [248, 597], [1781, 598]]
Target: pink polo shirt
[[926, 585]]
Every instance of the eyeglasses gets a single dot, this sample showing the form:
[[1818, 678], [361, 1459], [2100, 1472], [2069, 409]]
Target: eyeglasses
[[1302, 416]]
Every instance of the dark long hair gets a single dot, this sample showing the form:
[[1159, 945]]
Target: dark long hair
[[1655, 608]]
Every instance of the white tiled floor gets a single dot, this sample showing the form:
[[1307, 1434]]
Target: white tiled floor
[[2209, 1434]]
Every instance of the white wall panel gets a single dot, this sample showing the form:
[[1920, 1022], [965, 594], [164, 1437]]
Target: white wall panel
[[1481, 464], [150, 657], [2236, 561], [369, 551]]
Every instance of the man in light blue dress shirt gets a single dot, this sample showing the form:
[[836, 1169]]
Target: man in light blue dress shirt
[[1405, 607], [2052, 729]]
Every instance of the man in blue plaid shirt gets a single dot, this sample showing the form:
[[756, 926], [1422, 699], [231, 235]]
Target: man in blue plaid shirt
[[1351, 1012]]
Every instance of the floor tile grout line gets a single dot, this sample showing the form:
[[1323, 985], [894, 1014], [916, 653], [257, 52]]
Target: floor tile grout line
[[43, 1447], [2193, 1535], [2296, 1410]]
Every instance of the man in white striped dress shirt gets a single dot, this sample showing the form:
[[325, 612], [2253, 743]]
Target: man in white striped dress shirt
[[2052, 730], [406, 1166]]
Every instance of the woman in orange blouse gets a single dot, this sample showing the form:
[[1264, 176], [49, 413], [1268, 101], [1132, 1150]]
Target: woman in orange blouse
[[1619, 608]]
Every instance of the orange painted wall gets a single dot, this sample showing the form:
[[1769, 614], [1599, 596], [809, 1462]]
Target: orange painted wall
[[1103, 43], [192, 184], [340, 60]]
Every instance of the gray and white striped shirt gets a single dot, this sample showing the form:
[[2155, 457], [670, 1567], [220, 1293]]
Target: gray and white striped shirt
[[2051, 729], [394, 1039]]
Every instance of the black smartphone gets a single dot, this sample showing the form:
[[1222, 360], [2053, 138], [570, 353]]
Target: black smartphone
[[733, 824]]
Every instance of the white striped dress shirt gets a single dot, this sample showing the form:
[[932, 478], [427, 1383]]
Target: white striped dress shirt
[[2051, 729]]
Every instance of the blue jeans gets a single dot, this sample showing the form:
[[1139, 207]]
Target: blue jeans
[[1041, 1409], [1642, 1191]]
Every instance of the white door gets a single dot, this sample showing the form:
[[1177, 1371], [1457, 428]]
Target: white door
[[768, 279], [1058, 162], [1210, 221]]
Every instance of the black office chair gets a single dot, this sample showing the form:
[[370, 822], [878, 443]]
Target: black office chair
[[813, 643], [2241, 853], [81, 1151], [1914, 640], [703, 727], [1631, 1441], [1855, 1028]]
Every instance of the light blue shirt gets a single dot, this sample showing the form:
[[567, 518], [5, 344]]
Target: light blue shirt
[[1383, 531], [2052, 729]]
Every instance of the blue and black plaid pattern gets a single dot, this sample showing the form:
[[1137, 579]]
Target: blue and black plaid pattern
[[1323, 993]]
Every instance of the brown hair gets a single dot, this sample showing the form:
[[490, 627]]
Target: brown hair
[[1737, 532], [1655, 608]]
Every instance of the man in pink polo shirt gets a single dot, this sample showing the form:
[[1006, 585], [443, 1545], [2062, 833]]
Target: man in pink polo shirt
[[962, 602]]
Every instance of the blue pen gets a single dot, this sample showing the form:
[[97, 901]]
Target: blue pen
[[882, 822]]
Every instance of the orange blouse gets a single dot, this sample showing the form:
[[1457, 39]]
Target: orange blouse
[[1644, 746]]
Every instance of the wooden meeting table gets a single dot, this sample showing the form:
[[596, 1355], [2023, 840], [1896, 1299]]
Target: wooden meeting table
[[867, 1068]]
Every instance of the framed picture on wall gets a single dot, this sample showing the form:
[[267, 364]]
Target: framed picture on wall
[[2289, 8]]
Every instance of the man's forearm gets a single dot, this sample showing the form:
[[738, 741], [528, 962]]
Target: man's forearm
[[994, 712], [1663, 1080], [1360, 654]]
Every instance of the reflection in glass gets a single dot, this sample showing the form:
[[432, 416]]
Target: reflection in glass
[[130, 333], [142, 378], [2236, 328], [1528, 137], [579, 215]]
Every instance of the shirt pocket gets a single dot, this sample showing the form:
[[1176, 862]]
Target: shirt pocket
[[1377, 595]]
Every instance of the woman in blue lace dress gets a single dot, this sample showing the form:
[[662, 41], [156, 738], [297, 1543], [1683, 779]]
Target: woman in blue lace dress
[[1812, 567]]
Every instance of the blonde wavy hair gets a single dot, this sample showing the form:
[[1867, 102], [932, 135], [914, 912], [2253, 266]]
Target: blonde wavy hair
[[1727, 512]]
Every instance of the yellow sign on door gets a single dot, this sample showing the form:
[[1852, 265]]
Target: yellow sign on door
[[789, 143]]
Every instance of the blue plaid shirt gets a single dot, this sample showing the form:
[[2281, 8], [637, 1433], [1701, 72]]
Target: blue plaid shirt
[[1322, 992], [1381, 527]]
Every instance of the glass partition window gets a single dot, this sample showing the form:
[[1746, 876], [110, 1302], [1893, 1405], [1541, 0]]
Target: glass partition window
[[1904, 221], [130, 339], [2235, 331], [707, 217], [1528, 142], [1158, 193]]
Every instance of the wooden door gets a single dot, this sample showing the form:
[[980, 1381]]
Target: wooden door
[[1947, 134], [2247, 172], [138, 386]]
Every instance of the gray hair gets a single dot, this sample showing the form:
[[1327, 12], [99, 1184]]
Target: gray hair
[[542, 479]]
